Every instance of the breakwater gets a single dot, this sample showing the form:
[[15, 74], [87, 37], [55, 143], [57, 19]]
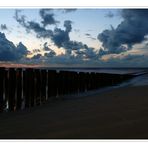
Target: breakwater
[[27, 87]]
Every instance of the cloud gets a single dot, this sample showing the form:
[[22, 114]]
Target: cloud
[[51, 53], [127, 60], [3, 27], [45, 47], [68, 10], [109, 14], [47, 16], [36, 57], [77, 30], [22, 49], [32, 26], [40, 31], [130, 31], [60, 37], [20, 18], [36, 50], [10, 52], [88, 35], [67, 25]]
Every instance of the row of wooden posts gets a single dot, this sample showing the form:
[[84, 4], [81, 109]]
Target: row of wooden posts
[[22, 88]]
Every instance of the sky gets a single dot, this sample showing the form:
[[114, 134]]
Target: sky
[[74, 37]]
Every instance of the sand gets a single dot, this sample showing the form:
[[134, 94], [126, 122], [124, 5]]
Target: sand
[[121, 113]]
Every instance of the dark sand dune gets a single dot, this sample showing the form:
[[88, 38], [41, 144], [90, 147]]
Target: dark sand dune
[[118, 114]]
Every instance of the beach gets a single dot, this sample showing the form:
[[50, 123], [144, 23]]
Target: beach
[[120, 113]]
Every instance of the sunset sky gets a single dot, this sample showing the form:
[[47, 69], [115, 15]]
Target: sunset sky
[[74, 37]]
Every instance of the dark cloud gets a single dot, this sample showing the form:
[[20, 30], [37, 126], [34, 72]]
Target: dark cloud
[[36, 50], [69, 10], [45, 47], [75, 45], [50, 54], [60, 37], [10, 52], [3, 27], [67, 25], [20, 18], [130, 31], [32, 26], [22, 49], [109, 15], [89, 36], [40, 31], [47, 16], [36, 57], [91, 54]]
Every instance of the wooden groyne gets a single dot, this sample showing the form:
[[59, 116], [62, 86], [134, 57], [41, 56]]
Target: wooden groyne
[[27, 87]]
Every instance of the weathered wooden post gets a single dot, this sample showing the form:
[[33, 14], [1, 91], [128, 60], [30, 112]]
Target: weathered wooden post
[[43, 84], [12, 89], [18, 88], [2, 88], [93, 80], [28, 87], [31, 90], [74, 82], [71, 82], [81, 82], [6, 88], [63, 80], [37, 88], [25, 88], [88, 80], [52, 83], [59, 81]]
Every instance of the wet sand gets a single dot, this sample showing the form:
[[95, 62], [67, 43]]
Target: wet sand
[[117, 114]]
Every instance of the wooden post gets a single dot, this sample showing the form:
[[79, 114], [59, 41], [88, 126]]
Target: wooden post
[[52, 83], [43, 85], [82, 83], [37, 88], [28, 87], [2, 89], [6, 88], [12, 89], [18, 88]]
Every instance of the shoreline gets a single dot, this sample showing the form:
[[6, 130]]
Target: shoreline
[[120, 113]]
